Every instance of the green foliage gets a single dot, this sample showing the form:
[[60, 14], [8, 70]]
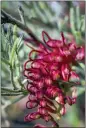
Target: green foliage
[[36, 16], [10, 52]]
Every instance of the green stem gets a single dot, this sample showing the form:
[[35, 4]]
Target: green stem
[[15, 88], [9, 90], [11, 94], [72, 19], [78, 18], [22, 16]]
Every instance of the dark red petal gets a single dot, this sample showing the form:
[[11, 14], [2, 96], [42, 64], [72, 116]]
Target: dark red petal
[[33, 51], [42, 111], [32, 97], [39, 95], [72, 46], [32, 116], [43, 102], [32, 89], [60, 99], [31, 104], [48, 58], [40, 84], [25, 64], [48, 81], [74, 100], [65, 70], [45, 33], [34, 76], [54, 43], [55, 74], [62, 111], [58, 58], [69, 100], [52, 91], [36, 64]]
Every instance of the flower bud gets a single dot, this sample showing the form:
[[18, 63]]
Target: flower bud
[[69, 100], [32, 89], [47, 118], [43, 102], [32, 116], [62, 111], [39, 95], [31, 104], [60, 99], [65, 69], [42, 111]]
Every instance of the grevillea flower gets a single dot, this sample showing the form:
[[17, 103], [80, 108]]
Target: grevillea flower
[[48, 76]]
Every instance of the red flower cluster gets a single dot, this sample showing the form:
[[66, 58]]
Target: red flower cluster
[[48, 76]]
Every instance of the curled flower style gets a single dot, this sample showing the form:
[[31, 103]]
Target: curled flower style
[[49, 76]]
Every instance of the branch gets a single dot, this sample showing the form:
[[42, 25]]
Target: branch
[[9, 90], [24, 37], [11, 94], [9, 19], [21, 13]]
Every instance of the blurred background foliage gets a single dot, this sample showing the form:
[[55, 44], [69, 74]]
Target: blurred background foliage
[[24, 21]]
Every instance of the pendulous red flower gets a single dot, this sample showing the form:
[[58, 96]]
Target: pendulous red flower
[[48, 76]]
